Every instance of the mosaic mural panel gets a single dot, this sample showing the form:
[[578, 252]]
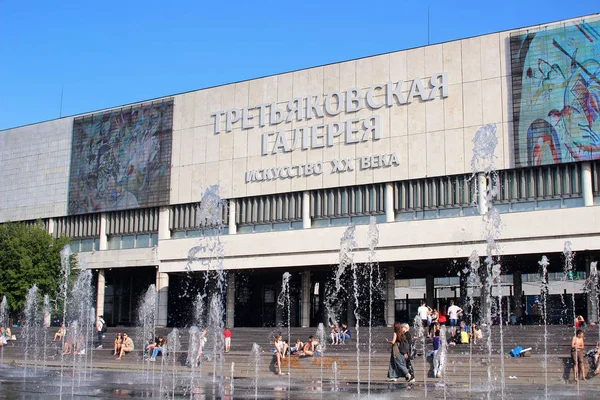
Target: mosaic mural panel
[[556, 94], [121, 159]]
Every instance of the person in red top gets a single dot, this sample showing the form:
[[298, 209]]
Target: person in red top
[[227, 335]]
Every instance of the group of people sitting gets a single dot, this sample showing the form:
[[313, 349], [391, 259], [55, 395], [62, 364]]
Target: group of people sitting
[[340, 333], [6, 336], [281, 349]]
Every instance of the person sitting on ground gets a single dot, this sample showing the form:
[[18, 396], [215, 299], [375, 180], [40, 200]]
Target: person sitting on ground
[[577, 346], [464, 326], [297, 348], [150, 347], [158, 347], [579, 322], [344, 333], [464, 335], [126, 347], [335, 334], [309, 348], [69, 343], [62, 331], [279, 350], [118, 343], [597, 359], [3, 340]]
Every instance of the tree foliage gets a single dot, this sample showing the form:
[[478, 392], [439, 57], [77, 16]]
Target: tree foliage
[[28, 256]]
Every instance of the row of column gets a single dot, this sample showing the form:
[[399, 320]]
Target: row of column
[[164, 233]]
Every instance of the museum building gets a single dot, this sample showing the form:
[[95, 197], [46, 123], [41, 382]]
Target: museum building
[[300, 157]]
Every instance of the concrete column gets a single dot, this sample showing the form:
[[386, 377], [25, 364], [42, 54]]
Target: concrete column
[[306, 222], [305, 299], [430, 291], [518, 293], [164, 232], [232, 214], [390, 306], [162, 287], [230, 312], [586, 183], [100, 293], [388, 203], [103, 236], [50, 227], [482, 193]]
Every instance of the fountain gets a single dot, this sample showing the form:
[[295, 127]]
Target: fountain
[[544, 295], [568, 271], [31, 325], [146, 318], [284, 301], [254, 361], [373, 235], [483, 168], [65, 263]]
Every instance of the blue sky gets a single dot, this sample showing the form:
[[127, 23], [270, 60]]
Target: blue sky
[[109, 53]]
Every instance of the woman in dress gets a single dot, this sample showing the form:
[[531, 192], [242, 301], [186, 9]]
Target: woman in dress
[[399, 354]]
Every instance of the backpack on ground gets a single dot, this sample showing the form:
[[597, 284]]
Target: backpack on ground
[[516, 351]]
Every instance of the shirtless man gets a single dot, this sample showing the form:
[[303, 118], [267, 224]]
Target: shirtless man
[[577, 346]]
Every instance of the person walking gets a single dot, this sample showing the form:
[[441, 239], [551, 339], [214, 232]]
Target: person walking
[[100, 328], [399, 355]]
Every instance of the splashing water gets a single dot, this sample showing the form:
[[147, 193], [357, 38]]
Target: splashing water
[[79, 310], [146, 318], [31, 325], [568, 272], [372, 262], [65, 265], [544, 294], [171, 348], [591, 289], [474, 281], [3, 323], [254, 362], [284, 301], [321, 347], [483, 167]]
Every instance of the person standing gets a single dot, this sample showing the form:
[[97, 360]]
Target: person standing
[[227, 336], [577, 346], [453, 312], [100, 328], [423, 313]]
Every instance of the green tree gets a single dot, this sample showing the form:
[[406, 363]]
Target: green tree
[[28, 256]]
